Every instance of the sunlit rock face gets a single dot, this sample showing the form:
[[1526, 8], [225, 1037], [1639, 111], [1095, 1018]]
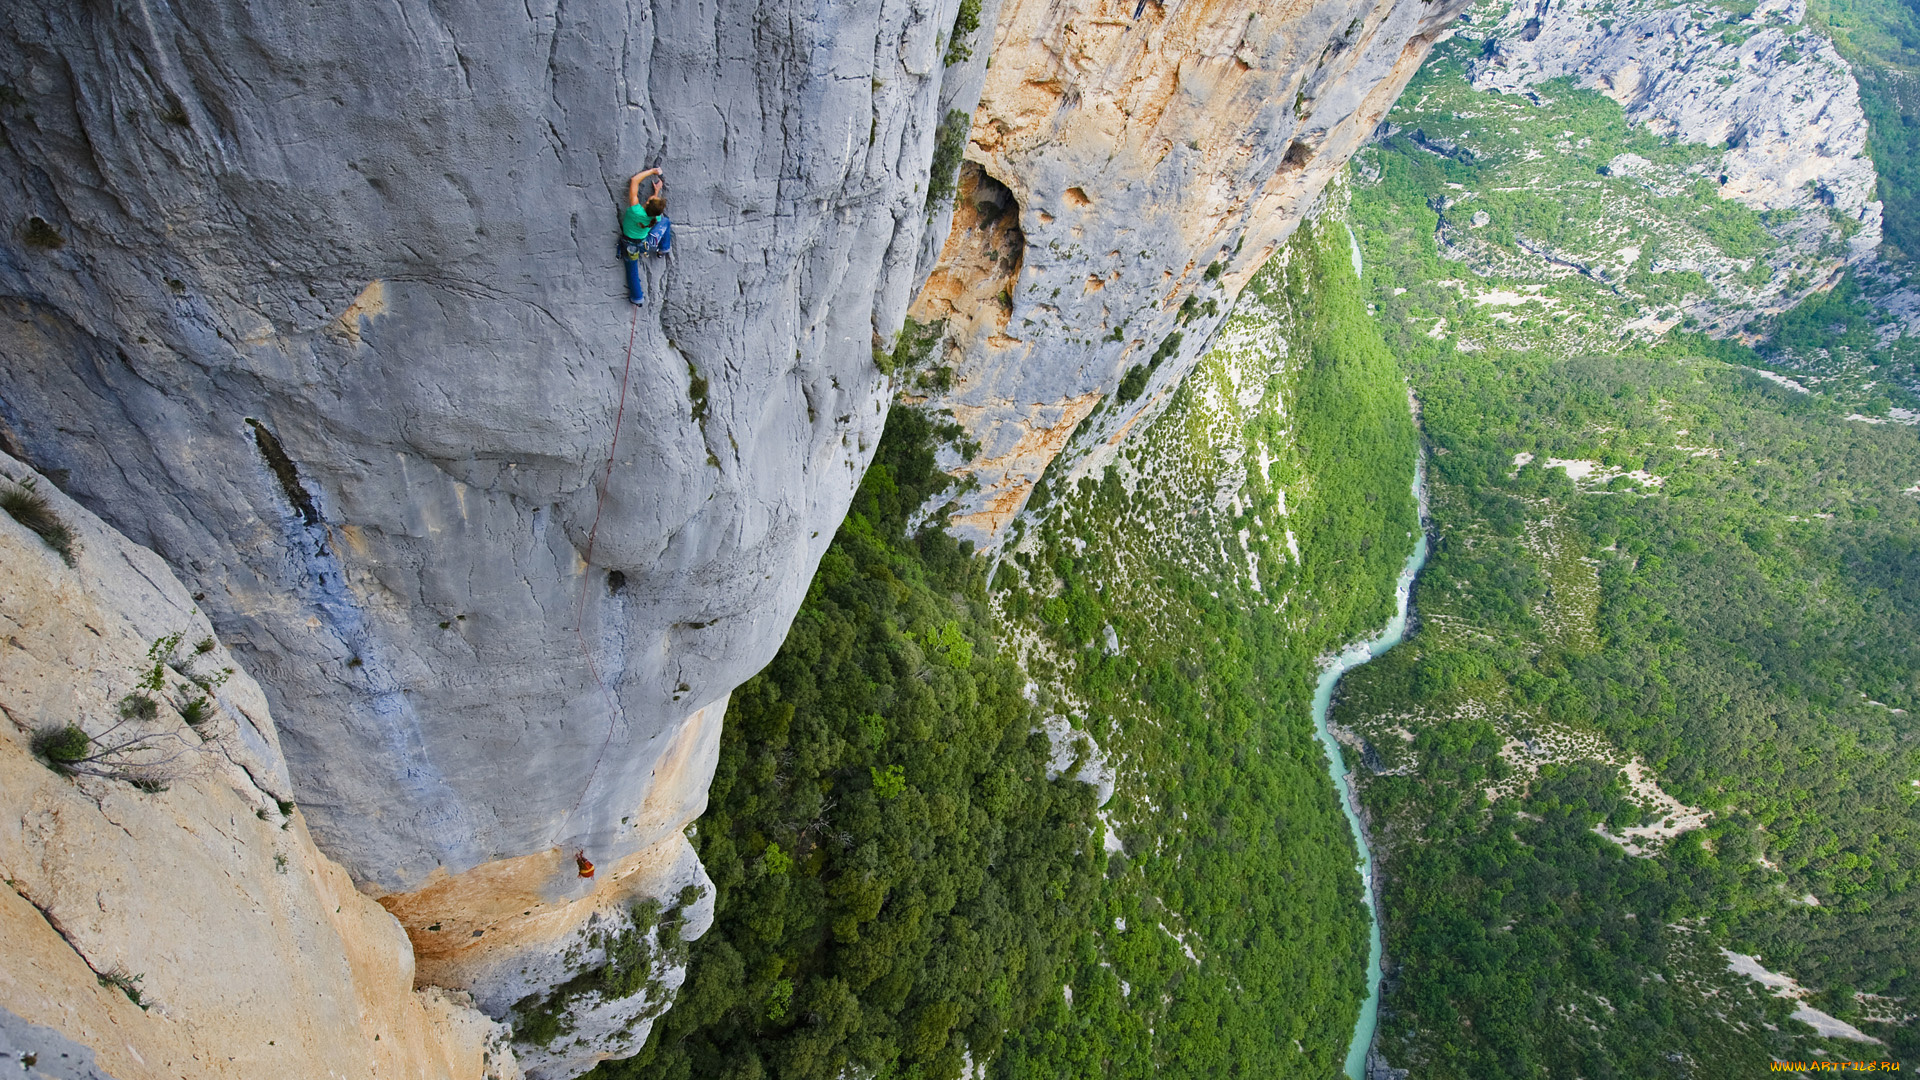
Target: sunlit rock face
[[1130, 167]]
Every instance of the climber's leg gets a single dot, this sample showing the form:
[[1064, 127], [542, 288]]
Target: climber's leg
[[635, 291]]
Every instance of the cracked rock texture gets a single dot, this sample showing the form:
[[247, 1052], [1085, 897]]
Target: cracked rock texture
[[1125, 178], [252, 952], [325, 309]]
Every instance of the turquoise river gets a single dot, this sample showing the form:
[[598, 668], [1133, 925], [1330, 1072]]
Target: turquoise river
[[1353, 657]]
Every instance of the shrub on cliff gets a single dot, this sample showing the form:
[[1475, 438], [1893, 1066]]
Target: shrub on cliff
[[62, 747]]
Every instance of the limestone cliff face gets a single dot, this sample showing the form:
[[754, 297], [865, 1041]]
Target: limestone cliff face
[[1128, 171], [324, 307], [173, 867]]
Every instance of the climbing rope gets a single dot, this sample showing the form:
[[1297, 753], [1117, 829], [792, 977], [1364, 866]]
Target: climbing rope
[[586, 580]]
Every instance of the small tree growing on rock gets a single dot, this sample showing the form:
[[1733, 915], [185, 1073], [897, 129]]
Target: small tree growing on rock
[[140, 746]]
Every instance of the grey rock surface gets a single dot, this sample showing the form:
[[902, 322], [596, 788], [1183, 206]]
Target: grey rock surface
[[41, 1053], [1774, 93], [1127, 176], [323, 306]]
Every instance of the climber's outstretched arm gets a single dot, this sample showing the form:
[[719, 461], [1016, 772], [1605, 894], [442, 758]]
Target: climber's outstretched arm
[[633, 186]]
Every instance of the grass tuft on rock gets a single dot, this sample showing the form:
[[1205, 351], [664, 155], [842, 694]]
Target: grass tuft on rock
[[21, 500]]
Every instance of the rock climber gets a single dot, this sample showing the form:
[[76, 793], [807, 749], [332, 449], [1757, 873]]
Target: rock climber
[[580, 857], [644, 228]]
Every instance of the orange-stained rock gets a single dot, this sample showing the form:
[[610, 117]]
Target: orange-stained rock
[[1154, 164], [253, 953], [515, 929]]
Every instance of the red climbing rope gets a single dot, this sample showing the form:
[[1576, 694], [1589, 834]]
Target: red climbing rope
[[586, 577]]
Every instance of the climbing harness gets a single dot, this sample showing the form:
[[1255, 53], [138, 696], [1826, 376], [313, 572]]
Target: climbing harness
[[657, 242], [580, 611]]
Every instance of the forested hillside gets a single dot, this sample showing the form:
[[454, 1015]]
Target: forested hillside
[[1175, 606], [911, 872], [1661, 704]]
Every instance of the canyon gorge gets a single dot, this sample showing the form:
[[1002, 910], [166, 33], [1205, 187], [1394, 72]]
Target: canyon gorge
[[324, 312], [894, 648]]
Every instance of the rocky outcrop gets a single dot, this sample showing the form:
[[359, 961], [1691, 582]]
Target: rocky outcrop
[[1130, 167], [326, 311], [165, 913], [1777, 96]]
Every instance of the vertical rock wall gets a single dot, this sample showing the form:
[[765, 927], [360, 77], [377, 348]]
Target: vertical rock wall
[[323, 305], [164, 912], [1131, 166]]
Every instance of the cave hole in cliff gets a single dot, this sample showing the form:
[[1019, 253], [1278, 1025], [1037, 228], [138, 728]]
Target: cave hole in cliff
[[1298, 154], [1531, 31], [616, 581], [991, 200], [989, 212]]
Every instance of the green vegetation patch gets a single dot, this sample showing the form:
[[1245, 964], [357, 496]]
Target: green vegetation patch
[[1174, 606], [1656, 554], [949, 147], [633, 953], [26, 504], [899, 882]]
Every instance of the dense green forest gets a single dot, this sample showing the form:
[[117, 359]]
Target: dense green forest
[[1646, 550], [903, 888], [1175, 602], [899, 882]]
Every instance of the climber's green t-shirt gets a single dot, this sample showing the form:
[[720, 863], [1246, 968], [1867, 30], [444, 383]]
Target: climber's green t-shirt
[[635, 221]]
